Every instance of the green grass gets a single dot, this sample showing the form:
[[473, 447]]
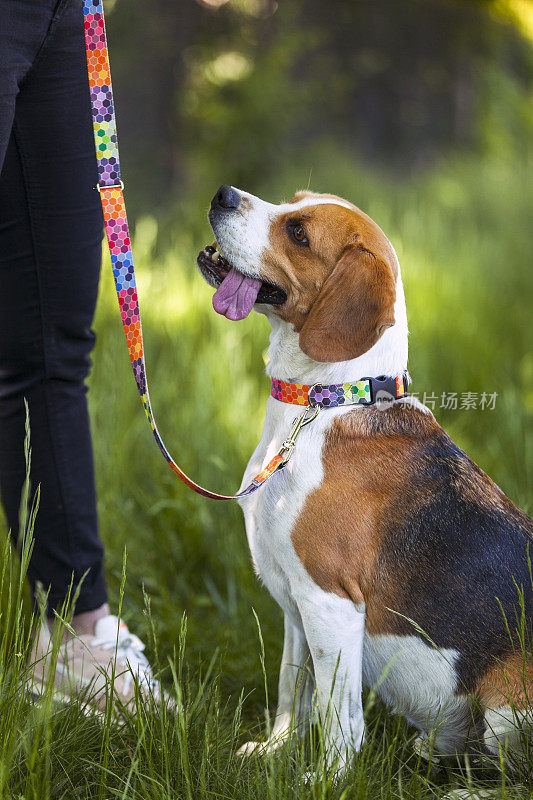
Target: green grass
[[461, 234]]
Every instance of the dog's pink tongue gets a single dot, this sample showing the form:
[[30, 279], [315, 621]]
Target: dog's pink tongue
[[236, 295]]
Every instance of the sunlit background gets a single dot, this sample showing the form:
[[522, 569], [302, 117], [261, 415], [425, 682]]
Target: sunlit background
[[246, 88]]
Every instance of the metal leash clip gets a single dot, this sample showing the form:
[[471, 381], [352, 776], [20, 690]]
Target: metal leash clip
[[288, 445]]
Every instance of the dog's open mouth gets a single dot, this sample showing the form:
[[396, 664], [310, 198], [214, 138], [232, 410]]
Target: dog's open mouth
[[236, 293]]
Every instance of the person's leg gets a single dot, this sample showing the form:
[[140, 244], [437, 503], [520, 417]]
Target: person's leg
[[50, 249], [24, 28]]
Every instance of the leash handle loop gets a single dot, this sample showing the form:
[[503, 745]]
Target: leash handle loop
[[110, 187]]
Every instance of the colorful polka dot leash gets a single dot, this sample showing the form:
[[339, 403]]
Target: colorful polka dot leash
[[111, 188]]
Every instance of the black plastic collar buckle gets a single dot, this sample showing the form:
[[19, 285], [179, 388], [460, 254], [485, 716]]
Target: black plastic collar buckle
[[384, 389]]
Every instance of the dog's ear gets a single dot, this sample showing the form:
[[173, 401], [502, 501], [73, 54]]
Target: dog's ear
[[353, 309], [301, 194]]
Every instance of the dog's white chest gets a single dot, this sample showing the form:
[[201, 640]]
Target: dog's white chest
[[270, 514]]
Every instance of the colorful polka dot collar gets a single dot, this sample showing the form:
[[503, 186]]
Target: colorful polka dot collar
[[111, 187], [366, 392]]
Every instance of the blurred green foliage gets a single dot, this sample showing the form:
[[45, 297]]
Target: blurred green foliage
[[212, 91]]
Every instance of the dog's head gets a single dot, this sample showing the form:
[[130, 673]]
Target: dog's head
[[317, 262]]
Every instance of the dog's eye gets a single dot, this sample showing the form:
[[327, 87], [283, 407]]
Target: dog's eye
[[298, 234]]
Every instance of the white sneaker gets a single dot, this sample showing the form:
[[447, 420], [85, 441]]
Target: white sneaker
[[87, 663]]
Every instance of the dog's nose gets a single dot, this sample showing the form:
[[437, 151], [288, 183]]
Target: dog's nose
[[226, 197]]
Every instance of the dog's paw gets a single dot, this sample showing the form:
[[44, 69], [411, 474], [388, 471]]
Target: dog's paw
[[248, 748], [260, 748]]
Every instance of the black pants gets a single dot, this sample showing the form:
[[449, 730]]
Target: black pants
[[50, 249]]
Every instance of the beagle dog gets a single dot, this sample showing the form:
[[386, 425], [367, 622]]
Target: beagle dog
[[396, 560]]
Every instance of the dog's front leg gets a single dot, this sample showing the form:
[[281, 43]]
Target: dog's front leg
[[334, 628], [295, 692]]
